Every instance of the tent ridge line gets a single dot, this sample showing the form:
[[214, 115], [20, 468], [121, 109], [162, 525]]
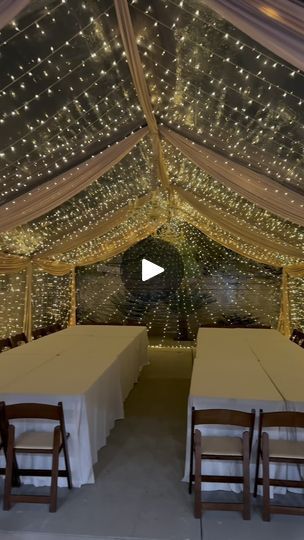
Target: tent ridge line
[[137, 73]]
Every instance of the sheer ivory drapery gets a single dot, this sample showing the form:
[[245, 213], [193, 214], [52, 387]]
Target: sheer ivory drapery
[[9, 9], [297, 271], [257, 188], [277, 24], [137, 73], [51, 194]]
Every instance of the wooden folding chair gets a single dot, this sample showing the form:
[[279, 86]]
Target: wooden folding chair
[[5, 344], [38, 333], [278, 451], [52, 328], [222, 448], [297, 337], [18, 339], [3, 446], [36, 442]]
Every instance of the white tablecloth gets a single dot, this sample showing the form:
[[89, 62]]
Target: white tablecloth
[[91, 369], [244, 369]]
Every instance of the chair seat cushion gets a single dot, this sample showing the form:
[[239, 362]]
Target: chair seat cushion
[[34, 440], [222, 446], [286, 449]]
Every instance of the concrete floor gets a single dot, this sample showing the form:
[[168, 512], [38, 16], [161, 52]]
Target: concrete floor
[[138, 492]]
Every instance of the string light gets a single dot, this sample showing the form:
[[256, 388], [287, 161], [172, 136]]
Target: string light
[[12, 291], [218, 286], [51, 297]]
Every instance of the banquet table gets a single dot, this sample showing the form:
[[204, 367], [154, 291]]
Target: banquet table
[[243, 369], [91, 369]]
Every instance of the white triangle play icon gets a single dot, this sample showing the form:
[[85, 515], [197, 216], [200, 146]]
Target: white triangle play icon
[[149, 269]]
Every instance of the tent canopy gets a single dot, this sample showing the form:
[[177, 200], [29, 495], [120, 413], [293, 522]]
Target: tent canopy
[[135, 113]]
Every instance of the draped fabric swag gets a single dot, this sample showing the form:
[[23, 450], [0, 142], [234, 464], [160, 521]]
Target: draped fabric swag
[[277, 24], [51, 194], [9, 9]]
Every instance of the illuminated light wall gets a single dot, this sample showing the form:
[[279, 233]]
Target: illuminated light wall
[[12, 293], [51, 299], [296, 299], [219, 288]]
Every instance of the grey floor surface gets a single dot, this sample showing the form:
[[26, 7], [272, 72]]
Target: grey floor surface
[[138, 492]]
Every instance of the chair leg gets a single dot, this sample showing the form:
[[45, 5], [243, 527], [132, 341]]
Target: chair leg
[[246, 476], [197, 478], [255, 491], [191, 466], [55, 466], [67, 464], [266, 497], [9, 468]]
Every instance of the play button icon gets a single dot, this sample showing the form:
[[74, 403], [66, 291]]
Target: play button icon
[[150, 270]]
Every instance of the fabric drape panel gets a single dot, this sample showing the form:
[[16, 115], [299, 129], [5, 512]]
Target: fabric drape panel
[[12, 263], [255, 187], [278, 25], [27, 323], [284, 317], [52, 267], [112, 251], [218, 235], [94, 232], [137, 73], [51, 194], [72, 320], [9, 9], [241, 231], [296, 271]]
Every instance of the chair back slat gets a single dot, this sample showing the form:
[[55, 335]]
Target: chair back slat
[[34, 410], [282, 419], [222, 416]]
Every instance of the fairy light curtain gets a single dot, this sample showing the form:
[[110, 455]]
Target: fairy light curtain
[[219, 287], [51, 299], [12, 294]]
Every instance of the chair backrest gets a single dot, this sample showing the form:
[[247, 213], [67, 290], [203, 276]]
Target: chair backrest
[[224, 417], [5, 343], [34, 411], [3, 423], [39, 332], [18, 339], [53, 328], [292, 419], [297, 337]]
